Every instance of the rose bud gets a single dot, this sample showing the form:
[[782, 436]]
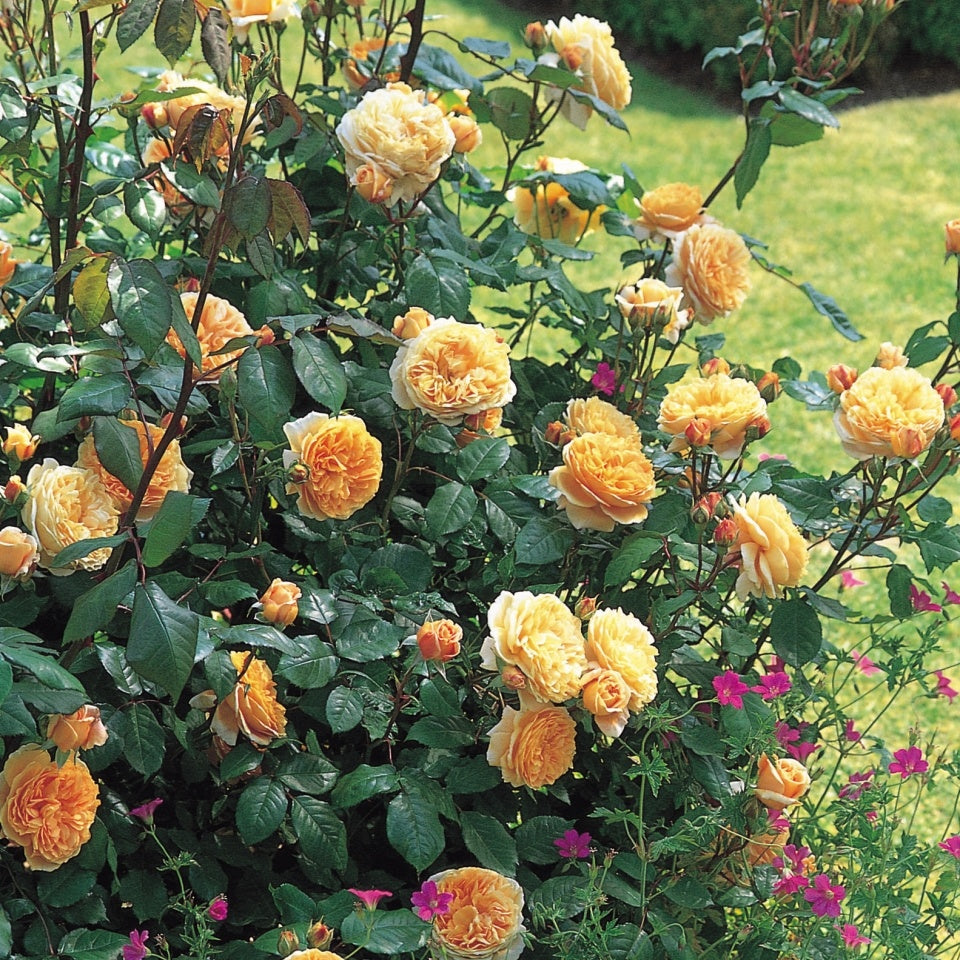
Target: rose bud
[[947, 394], [781, 783], [79, 730], [279, 603], [840, 377], [439, 640]]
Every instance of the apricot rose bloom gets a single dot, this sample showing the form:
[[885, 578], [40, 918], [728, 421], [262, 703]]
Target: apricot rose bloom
[[220, 323], [251, 708], [724, 406], [669, 210], [439, 640], [607, 697], [67, 505], [781, 783], [452, 369], [533, 746], [951, 232], [343, 464], [544, 208], [45, 808], [171, 473], [20, 442], [620, 642], [8, 263], [278, 605], [585, 45], [604, 480], [398, 132], [485, 919], [79, 730], [243, 13], [769, 548], [542, 638], [651, 303], [710, 263], [593, 415], [892, 412], [19, 553], [408, 325]]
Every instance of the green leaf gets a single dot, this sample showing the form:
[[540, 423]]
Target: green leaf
[[143, 739], [247, 206], [260, 810], [439, 287], [344, 709], [65, 886], [363, 783], [308, 773], [144, 206], [174, 28], [145, 891], [183, 329], [414, 830], [792, 130], [390, 932], [807, 107], [563, 897], [444, 732], [690, 893], [215, 43], [137, 15], [450, 509], [179, 514], [795, 632], [82, 944], [939, 547], [934, 509], [627, 941], [194, 185], [543, 541], [163, 639], [140, 300], [496, 49], [755, 153], [439, 68], [535, 838], [488, 840], [510, 109], [6, 680], [91, 294], [118, 450], [482, 458], [319, 370], [312, 667], [899, 579], [827, 307], [633, 553], [16, 648], [82, 548], [106, 393], [243, 758], [267, 388], [93, 610], [322, 835]]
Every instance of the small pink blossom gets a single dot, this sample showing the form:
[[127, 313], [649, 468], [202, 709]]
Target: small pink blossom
[[943, 686], [864, 664], [824, 897], [778, 820], [146, 810], [730, 689], [136, 949], [218, 908], [850, 580], [908, 761], [857, 784], [773, 685], [922, 601], [605, 379], [872, 816], [951, 845], [573, 845], [429, 902], [850, 733], [950, 596], [851, 936], [370, 898], [771, 456], [789, 884], [789, 738]]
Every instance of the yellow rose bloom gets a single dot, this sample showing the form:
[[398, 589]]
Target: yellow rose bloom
[[604, 480], [545, 209], [251, 708], [533, 746], [67, 505], [45, 808], [722, 406], [710, 262], [542, 638], [892, 412], [585, 45], [620, 642], [650, 302], [243, 13], [669, 210], [79, 730], [8, 263], [485, 919], [19, 553], [20, 442], [343, 465], [278, 605], [769, 549], [171, 473], [452, 369], [607, 697], [593, 415], [781, 783], [396, 130]]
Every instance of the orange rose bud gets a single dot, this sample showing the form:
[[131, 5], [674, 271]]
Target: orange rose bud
[[954, 431], [468, 133], [167, 419], [947, 394], [909, 443], [154, 115], [79, 730], [840, 377], [769, 387], [781, 783], [513, 678], [439, 640], [585, 608], [535, 36], [757, 429], [319, 935], [19, 552], [698, 432], [14, 489], [558, 433], [715, 365], [952, 231], [726, 532], [572, 56], [287, 942], [373, 184], [486, 420], [265, 336], [279, 603], [413, 322], [298, 473], [20, 443]]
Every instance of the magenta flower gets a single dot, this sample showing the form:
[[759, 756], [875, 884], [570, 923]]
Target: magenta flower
[[857, 784], [824, 897], [730, 689], [218, 908], [951, 845], [428, 902], [864, 664], [872, 816], [789, 738], [789, 884], [850, 733], [851, 936], [136, 949], [573, 845], [146, 810], [922, 602], [951, 596], [773, 685], [850, 580], [605, 379], [778, 820], [908, 761], [370, 898], [943, 686]]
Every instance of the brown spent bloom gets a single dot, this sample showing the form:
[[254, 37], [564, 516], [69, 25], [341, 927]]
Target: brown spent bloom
[[19, 553], [20, 442], [278, 605], [533, 746], [710, 262], [485, 919], [769, 549], [620, 642], [343, 462], [171, 473], [252, 707], [781, 783], [892, 412], [45, 808], [439, 640], [669, 210], [544, 209], [952, 236], [451, 369], [79, 730], [540, 636]]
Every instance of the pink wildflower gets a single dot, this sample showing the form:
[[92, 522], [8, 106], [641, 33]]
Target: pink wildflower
[[943, 686], [851, 936], [773, 685], [218, 908], [824, 897], [789, 738], [370, 898], [730, 689], [850, 733], [850, 580], [951, 845], [778, 820], [864, 664], [146, 810], [771, 456], [872, 816], [789, 884], [858, 783], [605, 379], [573, 845], [951, 596], [908, 761], [922, 602], [429, 902], [136, 949]]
